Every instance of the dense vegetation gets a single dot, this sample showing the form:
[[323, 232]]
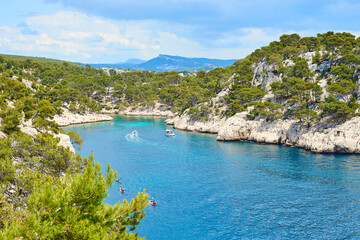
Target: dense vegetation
[[46, 190], [298, 94], [84, 89], [72, 208]]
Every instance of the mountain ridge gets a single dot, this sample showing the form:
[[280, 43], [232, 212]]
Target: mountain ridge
[[165, 62]]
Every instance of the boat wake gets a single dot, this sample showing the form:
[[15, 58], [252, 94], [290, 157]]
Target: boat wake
[[132, 137]]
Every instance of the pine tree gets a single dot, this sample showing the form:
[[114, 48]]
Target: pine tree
[[73, 208]]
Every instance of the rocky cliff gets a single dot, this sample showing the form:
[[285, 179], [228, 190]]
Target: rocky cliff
[[158, 109], [68, 118], [322, 136], [343, 138]]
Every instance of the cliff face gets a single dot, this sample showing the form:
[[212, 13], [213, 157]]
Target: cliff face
[[185, 123], [68, 118], [264, 75], [27, 127], [342, 138], [161, 110]]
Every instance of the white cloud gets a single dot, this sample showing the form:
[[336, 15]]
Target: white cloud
[[76, 36], [248, 37]]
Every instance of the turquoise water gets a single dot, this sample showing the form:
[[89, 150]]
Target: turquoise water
[[227, 190]]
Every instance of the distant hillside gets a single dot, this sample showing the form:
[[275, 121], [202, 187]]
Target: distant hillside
[[134, 61], [171, 63], [130, 63], [35, 59]]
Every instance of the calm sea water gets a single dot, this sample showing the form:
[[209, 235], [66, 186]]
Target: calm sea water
[[227, 190]]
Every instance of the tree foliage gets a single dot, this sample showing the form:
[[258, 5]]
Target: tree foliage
[[73, 208], [268, 110], [337, 110], [75, 139]]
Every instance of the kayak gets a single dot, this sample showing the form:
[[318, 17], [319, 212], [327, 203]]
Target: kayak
[[122, 190], [152, 203]]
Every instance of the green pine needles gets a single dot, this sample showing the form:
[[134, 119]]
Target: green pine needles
[[72, 208]]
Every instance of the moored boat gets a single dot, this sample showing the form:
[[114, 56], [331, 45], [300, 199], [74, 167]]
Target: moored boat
[[169, 132]]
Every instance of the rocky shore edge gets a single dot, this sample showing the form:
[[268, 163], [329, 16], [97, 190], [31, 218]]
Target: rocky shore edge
[[65, 119], [70, 118], [321, 138], [157, 110]]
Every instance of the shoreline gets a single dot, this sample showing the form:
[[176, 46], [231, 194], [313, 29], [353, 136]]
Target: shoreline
[[78, 123], [158, 109], [68, 118], [339, 139], [342, 138]]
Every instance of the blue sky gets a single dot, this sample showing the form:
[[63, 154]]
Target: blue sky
[[114, 31]]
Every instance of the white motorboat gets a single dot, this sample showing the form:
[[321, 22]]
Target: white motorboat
[[169, 132]]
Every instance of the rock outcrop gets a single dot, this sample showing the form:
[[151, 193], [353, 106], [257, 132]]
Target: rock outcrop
[[186, 123], [26, 127], [161, 110], [264, 75], [65, 141], [342, 138], [323, 137], [68, 118], [3, 135]]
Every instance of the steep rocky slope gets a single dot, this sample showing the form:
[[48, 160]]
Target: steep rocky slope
[[333, 75]]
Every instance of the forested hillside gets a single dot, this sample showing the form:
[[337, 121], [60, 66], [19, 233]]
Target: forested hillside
[[295, 77], [310, 79], [46, 190], [84, 89], [297, 91]]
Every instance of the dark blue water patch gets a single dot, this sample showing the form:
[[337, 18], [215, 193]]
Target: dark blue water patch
[[227, 190]]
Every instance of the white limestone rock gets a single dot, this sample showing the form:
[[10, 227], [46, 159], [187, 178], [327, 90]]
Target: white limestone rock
[[26, 127], [313, 67], [264, 75], [343, 138], [161, 110], [288, 63], [65, 141], [27, 83], [186, 123], [325, 66], [3, 135], [68, 118], [307, 56]]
